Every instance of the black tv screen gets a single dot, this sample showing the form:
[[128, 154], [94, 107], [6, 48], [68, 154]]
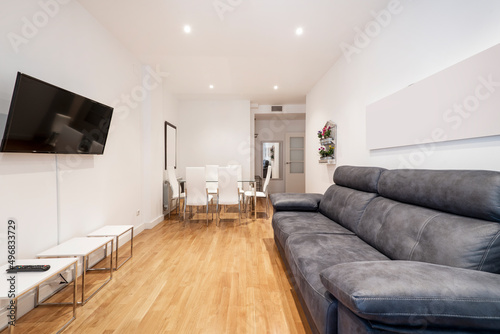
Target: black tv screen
[[44, 118]]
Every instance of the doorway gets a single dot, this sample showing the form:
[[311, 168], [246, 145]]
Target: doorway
[[295, 166], [271, 130]]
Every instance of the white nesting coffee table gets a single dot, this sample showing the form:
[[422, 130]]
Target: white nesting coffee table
[[24, 282], [82, 248], [116, 231]]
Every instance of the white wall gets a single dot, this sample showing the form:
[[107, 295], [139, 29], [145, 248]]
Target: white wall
[[214, 133], [421, 38], [71, 50], [171, 115], [274, 130], [160, 106]]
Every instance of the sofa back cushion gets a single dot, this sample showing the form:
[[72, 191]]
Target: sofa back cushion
[[345, 206], [359, 178], [442, 217], [470, 193], [345, 201], [408, 232]]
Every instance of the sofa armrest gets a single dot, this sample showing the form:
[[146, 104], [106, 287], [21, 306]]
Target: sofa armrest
[[417, 294], [295, 202]]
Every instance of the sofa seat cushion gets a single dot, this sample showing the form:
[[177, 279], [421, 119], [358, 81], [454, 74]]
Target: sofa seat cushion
[[286, 223], [309, 254], [414, 293]]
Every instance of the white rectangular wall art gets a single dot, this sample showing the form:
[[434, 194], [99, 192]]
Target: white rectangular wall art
[[460, 102]]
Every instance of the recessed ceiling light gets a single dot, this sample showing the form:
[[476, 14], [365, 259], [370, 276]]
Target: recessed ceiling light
[[275, 87], [211, 86], [299, 31], [187, 29]]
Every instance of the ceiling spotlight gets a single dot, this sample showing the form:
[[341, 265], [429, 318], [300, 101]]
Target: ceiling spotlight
[[275, 87], [211, 86], [187, 29], [299, 31]]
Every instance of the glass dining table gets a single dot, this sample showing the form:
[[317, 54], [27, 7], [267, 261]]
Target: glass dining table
[[251, 183]]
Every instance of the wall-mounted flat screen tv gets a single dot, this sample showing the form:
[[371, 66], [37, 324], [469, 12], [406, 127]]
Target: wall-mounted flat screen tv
[[44, 118]]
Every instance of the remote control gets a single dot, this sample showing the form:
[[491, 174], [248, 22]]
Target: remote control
[[28, 268]]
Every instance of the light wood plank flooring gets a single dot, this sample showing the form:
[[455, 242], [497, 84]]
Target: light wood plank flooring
[[189, 278]]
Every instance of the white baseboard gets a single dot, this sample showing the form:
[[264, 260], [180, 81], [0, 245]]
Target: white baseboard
[[139, 229], [155, 222]]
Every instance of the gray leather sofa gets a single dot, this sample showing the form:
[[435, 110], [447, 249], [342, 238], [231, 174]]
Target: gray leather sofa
[[399, 251]]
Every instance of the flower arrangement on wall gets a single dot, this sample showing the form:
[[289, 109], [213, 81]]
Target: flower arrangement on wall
[[325, 132], [327, 138], [324, 152]]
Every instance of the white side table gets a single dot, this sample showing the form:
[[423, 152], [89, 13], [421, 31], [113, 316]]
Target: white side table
[[27, 281], [116, 231], [82, 248]]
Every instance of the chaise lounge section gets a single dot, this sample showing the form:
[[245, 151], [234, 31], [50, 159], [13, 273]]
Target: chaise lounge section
[[400, 251]]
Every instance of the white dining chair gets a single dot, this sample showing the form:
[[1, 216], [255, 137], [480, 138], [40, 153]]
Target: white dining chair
[[228, 193], [176, 192], [239, 175], [211, 178], [264, 193], [196, 190]]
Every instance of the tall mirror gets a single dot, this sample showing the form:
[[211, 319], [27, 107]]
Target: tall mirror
[[170, 145], [272, 153]]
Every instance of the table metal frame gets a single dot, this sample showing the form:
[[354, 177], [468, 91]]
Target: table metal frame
[[74, 264], [116, 236], [85, 268]]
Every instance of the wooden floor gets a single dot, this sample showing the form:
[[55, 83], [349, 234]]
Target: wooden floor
[[188, 278]]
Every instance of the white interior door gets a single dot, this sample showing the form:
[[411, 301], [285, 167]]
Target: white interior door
[[294, 166]]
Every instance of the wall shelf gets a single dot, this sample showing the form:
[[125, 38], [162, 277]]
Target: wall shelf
[[328, 139], [330, 161]]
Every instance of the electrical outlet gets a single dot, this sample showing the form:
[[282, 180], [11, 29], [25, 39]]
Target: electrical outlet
[[138, 213]]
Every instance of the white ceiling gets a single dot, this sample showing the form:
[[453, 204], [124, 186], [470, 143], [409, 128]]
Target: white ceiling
[[244, 49]]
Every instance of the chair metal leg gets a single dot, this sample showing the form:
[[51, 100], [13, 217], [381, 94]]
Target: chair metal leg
[[207, 213], [267, 205], [246, 205], [239, 213], [184, 218]]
